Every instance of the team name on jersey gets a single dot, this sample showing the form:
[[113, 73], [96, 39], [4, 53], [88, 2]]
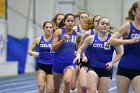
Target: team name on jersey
[[135, 35], [104, 46], [45, 45]]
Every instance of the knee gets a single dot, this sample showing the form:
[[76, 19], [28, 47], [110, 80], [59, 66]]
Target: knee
[[41, 87], [67, 82], [84, 88], [92, 90], [50, 91]]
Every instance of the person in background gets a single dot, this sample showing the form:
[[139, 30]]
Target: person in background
[[95, 27], [82, 67], [129, 66], [45, 61], [56, 20], [65, 40], [100, 59]]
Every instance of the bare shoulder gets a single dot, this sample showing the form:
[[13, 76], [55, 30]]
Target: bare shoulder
[[58, 32], [37, 40], [89, 39], [124, 29], [87, 33]]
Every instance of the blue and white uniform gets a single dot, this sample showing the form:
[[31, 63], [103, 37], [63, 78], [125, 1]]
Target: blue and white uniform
[[82, 64], [64, 55], [46, 56], [99, 54], [91, 33], [129, 65], [131, 56]]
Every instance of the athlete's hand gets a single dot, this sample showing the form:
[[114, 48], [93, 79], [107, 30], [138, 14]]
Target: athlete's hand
[[35, 54], [77, 59], [109, 65], [134, 40], [66, 36], [84, 59]]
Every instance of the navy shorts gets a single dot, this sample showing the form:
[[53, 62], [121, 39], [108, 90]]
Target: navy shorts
[[102, 72], [59, 67], [47, 68], [128, 72]]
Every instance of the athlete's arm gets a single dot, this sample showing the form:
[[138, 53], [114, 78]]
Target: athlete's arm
[[119, 53], [88, 41], [87, 33], [78, 42], [123, 32], [34, 44], [56, 43]]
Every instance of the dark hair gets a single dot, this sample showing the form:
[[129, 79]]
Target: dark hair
[[102, 18], [131, 10], [61, 24], [55, 18], [111, 28], [94, 19], [46, 23]]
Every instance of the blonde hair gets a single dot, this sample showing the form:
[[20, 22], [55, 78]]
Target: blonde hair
[[89, 22], [131, 10]]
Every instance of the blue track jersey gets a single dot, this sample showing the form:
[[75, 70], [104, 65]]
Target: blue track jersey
[[131, 56], [99, 52], [65, 53], [46, 55]]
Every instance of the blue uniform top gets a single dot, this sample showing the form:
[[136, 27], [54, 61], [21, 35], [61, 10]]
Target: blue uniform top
[[131, 56], [65, 53], [92, 32], [46, 55], [86, 51], [100, 53], [79, 30]]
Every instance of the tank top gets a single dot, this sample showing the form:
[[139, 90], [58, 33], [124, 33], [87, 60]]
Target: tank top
[[46, 55], [100, 53], [65, 53], [131, 56]]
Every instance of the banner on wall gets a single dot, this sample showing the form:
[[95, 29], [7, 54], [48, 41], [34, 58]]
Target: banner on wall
[[3, 41], [2, 8]]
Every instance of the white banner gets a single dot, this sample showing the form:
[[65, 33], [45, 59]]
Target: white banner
[[3, 41]]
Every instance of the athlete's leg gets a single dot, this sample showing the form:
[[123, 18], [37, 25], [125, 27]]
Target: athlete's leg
[[123, 84], [41, 78], [136, 84]]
